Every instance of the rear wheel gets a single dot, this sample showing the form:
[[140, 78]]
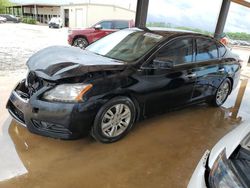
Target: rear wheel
[[114, 120], [222, 93], [80, 42]]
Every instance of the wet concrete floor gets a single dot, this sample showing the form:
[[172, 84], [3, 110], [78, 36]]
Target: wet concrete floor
[[159, 152]]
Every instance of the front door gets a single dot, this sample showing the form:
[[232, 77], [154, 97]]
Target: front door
[[107, 27], [170, 77]]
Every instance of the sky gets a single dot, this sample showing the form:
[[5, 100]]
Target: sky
[[200, 14]]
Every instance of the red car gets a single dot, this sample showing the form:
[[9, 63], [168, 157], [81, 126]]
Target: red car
[[83, 37]]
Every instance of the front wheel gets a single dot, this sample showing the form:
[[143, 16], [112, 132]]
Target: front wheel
[[222, 93], [80, 42], [114, 120]]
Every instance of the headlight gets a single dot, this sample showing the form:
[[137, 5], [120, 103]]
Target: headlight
[[222, 174], [67, 92]]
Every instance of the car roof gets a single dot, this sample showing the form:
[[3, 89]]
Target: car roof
[[166, 29], [171, 32], [115, 20]]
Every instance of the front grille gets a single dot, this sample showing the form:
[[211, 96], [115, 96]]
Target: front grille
[[33, 83], [16, 111], [50, 127]]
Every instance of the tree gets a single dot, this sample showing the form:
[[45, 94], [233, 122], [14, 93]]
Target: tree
[[3, 4]]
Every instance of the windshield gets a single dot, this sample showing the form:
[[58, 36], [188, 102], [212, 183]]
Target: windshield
[[54, 19], [125, 45]]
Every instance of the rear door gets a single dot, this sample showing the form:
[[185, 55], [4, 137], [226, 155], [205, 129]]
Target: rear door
[[209, 70]]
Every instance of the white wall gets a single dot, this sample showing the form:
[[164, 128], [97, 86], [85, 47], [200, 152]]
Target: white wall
[[94, 13]]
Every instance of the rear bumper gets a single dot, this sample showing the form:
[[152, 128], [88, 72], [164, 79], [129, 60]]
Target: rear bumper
[[57, 120]]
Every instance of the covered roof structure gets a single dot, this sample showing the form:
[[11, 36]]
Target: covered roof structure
[[142, 10]]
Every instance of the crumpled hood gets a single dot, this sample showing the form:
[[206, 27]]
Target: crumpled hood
[[59, 62]]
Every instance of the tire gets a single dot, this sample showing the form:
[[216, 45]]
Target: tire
[[222, 93], [80, 42], [114, 120]]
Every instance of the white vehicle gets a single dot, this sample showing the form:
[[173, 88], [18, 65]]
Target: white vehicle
[[2, 19], [228, 163], [55, 22]]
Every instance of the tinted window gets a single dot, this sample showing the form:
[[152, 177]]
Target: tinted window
[[106, 24], [178, 52], [206, 49], [222, 49], [121, 24]]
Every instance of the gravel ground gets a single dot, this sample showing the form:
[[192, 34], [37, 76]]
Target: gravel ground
[[19, 41]]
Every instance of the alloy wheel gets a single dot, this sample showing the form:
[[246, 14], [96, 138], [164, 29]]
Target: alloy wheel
[[222, 93], [81, 43], [116, 120]]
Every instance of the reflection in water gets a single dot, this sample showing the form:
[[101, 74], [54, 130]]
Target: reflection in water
[[235, 109], [171, 144], [10, 163], [231, 114]]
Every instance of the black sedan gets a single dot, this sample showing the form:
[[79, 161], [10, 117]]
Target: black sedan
[[120, 79]]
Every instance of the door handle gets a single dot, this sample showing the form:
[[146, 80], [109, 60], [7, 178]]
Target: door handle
[[222, 70], [191, 75]]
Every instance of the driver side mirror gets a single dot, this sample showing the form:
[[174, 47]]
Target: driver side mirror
[[98, 27], [163, 64]]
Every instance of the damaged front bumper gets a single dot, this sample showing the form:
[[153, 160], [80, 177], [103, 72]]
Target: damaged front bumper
[[198, 178], [53, 119]]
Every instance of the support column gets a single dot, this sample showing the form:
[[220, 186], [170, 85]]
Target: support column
[[31, 15], [222, 18], [22, 10], [141, 13], [240, 95], [35, 12]]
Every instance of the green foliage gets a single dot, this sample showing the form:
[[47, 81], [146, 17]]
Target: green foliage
[[159, 24], [28, 20], [195, 30], [239, 36], [169, 25], [3, 4], [231, 35]]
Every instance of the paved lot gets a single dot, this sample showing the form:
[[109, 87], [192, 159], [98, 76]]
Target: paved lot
[[160, 152]]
